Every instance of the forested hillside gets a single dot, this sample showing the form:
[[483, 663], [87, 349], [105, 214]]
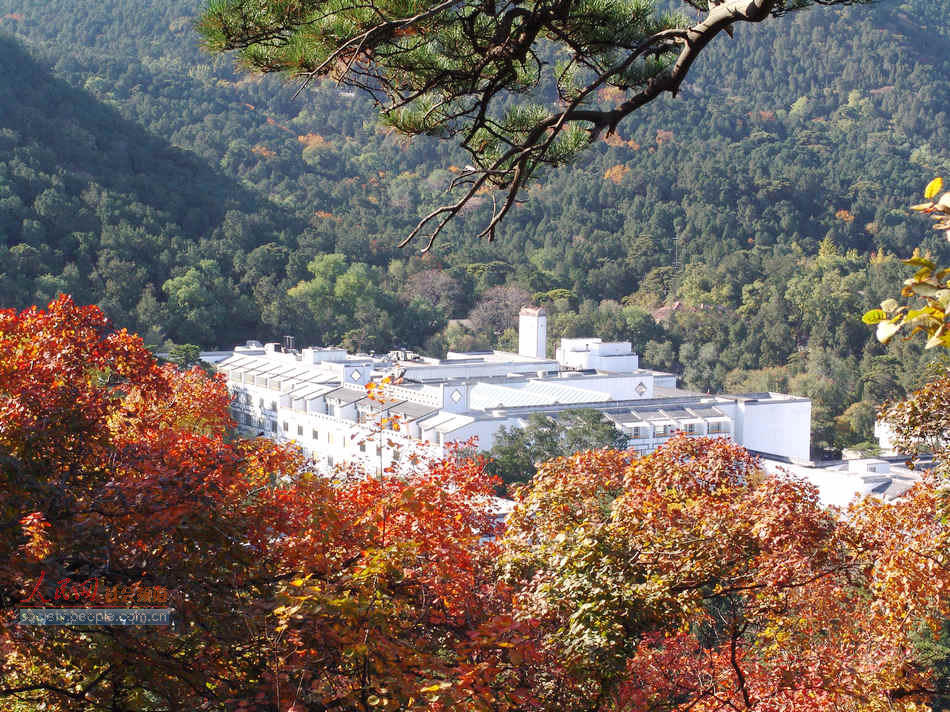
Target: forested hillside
[[757, 215]]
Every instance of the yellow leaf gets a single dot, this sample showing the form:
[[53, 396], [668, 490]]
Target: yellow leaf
[[933, 187], [436, 687], [298, 582]]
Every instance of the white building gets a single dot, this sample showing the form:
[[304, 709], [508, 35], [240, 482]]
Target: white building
[[839, 483], [317, 397]]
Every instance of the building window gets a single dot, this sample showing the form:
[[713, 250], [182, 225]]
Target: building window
[[261, 403], [637, 433], [286, 426], [329, 438], [362, 446], [299, 430], [715, 428], [691, 428], [315, 434], [273, 405], [330, 460]]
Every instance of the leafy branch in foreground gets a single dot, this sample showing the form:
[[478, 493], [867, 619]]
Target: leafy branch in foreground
[[931, 283], [451, 68]]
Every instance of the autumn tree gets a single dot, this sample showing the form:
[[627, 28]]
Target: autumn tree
[[119, 472], [690, 580], [684, 580], [518, 85]]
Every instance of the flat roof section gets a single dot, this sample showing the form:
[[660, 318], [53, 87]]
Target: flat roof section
[[346, 395], [412, 411]]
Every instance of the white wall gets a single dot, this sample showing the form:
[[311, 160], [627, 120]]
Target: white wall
[[594, 353], [484, 430], [776, 426], [532, 335]]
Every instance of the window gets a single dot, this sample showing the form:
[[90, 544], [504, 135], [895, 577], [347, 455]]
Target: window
[[273, 426], [273, 405], [330, 460], [286, 426], [691, 428], [715, 428], [315, 434], [362, 446], [329, 438], [637, 433], [299, 430], [261, 403]]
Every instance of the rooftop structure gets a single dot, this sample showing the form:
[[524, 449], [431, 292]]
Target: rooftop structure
[[839, 483], [317, 397]]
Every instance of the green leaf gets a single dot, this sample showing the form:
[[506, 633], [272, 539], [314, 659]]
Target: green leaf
[[886, 330], [874, 316]]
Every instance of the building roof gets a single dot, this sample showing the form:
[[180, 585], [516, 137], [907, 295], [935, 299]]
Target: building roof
[[410, 411], [707, 411], [346, 395], [558, 392], [309, 390]]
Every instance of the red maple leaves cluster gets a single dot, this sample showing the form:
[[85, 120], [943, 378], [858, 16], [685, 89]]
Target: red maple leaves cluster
[[684, 580]]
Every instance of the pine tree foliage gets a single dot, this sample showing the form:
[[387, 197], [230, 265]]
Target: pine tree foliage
[[451, 67]]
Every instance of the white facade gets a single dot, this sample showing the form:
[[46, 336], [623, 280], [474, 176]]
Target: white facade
[[532, 332], [840, 483], [772, 422], [615, 356], [318, 399]]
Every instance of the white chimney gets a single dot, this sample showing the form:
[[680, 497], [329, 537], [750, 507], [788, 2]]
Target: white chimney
[[532, 332]]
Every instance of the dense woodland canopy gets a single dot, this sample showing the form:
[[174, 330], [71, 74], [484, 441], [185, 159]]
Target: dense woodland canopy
[[758, 214]]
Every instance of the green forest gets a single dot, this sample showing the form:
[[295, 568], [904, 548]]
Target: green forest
[[734, 234]]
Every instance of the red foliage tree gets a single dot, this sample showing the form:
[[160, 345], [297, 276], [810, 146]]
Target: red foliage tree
[[684, 580], [690, 580], [119, 471]]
